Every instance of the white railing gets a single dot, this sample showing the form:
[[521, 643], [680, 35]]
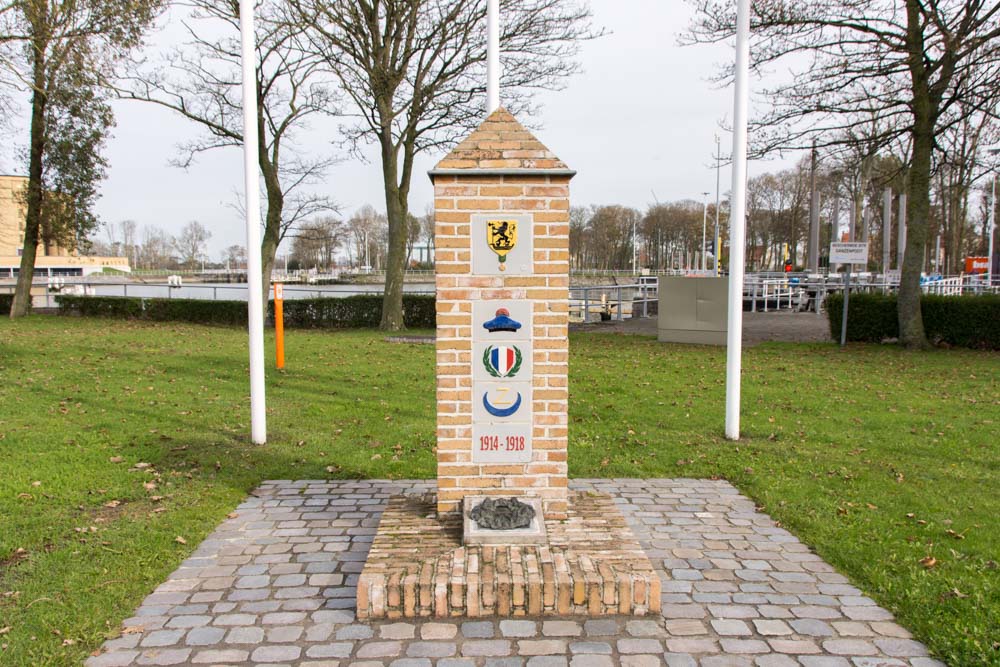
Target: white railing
[[945, 286]]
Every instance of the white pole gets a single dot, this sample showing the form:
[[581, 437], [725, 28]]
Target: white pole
[[737, 222], [493, 56], [251, 181]]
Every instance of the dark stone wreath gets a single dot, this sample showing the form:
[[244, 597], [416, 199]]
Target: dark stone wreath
[[503, 514]]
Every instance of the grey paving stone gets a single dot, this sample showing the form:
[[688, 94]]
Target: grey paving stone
[[518, 628], [600, 628], [162, 638], [217, 656], [591, 660], [561, 629], [640, 646], [849, 647], [411, 662], [645, 628], [731, 626], [680, 660], [332, 650], [477, 629], [812, 627], [380, 650], [173, 656], [204, 636], [901, 647], [397, 631], [284, 634], [547, 661], [275, 653], [541, 646], [652, 660], [438, 630], [431, 649], [741, 646], [771, 628], [245, 635], [486, 648], [355, 632], [601, 648], [114, 659]]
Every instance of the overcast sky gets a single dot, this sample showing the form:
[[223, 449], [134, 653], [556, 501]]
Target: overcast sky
[[640, 118]]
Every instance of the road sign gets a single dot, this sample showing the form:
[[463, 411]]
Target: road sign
[[849, 253]]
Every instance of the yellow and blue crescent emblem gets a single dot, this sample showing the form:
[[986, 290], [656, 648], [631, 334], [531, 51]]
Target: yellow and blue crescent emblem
[[496, 408]]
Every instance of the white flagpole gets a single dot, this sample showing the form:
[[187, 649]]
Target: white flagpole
[[737, 221], [255, 306], [492, 56]]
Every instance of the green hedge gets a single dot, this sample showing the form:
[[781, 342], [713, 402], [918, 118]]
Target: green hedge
[[355, 312], [325, 313], [960, 321], [157, 310]]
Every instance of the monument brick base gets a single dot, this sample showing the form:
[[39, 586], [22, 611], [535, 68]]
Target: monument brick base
[[591, 566]]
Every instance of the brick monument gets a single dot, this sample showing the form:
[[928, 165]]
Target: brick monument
[[502, 256], [502, 259]]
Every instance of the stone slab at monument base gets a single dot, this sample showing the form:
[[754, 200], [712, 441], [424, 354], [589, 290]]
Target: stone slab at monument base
[[591, 566], [475, 535]]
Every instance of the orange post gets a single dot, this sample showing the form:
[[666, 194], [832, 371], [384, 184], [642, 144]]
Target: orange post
[[279, 324]]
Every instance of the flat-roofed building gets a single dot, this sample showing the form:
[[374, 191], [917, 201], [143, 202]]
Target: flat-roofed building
[[51, 259]]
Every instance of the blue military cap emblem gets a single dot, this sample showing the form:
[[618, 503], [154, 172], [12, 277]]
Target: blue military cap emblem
[[502, 322]]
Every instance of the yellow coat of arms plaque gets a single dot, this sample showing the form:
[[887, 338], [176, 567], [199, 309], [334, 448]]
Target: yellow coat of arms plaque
[[501, 236]]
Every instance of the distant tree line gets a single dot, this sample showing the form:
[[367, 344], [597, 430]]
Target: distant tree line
[[668, 235]]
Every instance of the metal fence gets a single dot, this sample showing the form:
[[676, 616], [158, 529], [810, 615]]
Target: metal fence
[[762, 292]]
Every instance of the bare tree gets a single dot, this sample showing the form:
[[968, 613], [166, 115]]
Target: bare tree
[[907, 63], [201, 81], [57, 51], [367, 229], [315, 243], [156, 248], [192, 242], [414, 70]]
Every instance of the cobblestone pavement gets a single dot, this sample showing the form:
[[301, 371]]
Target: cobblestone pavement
[[275, 584]]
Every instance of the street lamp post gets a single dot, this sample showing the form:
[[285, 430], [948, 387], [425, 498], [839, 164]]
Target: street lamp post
[[635, 251], [994, 151], [704, 230], [718, 175]]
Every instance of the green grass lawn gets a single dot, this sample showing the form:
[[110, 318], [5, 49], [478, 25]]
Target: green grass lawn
[[122, 445]]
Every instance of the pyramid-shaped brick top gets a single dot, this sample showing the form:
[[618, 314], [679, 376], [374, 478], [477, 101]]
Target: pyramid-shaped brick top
[[501, 143]]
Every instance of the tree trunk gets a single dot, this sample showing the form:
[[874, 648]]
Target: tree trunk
[[271, 237], [911, 323], [396, 212], [33, 215], [918, 203]]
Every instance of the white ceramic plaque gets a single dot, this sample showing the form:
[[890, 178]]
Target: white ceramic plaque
[[501, 443], [502, 244], [501, 361], [506, 320]]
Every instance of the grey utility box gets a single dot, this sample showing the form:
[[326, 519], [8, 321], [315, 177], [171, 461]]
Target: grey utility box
[[693, 310]]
